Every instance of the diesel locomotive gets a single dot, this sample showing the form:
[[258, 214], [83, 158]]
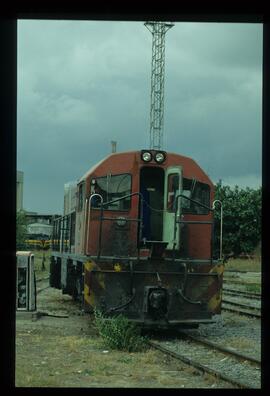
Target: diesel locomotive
[[139, 240]]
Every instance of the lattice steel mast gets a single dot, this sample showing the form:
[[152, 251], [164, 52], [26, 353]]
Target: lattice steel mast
[[158, 30]]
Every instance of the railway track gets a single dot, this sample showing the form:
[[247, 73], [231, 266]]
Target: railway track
[[241, 305], [213, 359], [227, 307], [228, 351], [233, 292], [239, 282], [40, 280], [210, 358], [43, 288], [244, 306]]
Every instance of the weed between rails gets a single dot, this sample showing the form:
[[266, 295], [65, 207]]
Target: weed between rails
[[118, 333]]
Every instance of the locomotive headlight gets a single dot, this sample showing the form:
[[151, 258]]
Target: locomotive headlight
[[160, 157], [146, 156]]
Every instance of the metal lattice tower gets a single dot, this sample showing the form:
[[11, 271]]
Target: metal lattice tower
[[158, 30]]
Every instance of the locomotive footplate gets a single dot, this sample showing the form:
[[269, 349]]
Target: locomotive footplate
[[159, 294]]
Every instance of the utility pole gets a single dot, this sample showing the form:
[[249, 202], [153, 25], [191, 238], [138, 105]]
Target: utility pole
[[158, 30]]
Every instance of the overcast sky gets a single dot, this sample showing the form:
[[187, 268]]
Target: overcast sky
[[82, 84]]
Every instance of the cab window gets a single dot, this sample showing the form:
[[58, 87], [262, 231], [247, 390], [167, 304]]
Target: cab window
[[112, 187], [198, 192]]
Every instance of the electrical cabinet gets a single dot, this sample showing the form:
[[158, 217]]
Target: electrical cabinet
[[25, 282]]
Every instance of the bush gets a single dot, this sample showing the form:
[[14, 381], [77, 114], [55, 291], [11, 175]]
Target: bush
[[241, 219], [119, 333], [21, 230]]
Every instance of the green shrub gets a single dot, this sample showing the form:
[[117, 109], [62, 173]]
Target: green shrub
[[118, 333], [241, 219], [21, 230]]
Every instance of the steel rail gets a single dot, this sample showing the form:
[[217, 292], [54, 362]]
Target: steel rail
[[238, 304], [240, 312], [227, 350], [242, 293], [199, 366], [41, 290], [238, 282], [42, 279]]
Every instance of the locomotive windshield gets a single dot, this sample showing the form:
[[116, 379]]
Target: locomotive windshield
[[112, 187], [199, 192]]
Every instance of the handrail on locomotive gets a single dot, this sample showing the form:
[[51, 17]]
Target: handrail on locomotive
[[177, 222], [101, 218], [221, 226]]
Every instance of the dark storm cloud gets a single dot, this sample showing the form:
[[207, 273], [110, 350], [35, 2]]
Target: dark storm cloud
[[82, 84], [216, 105], [216, 44]]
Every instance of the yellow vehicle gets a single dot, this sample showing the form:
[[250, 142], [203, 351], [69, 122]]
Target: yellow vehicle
[[38, 242]]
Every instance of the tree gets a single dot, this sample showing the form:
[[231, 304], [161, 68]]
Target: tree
[[241, 218], [21, 230]]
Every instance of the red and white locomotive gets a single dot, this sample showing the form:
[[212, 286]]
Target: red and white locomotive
[[139, 241]]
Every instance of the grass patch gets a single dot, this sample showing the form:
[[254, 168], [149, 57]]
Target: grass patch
[[118, 333], [42, 257], [253, 265], [53, 359], [253, 288]]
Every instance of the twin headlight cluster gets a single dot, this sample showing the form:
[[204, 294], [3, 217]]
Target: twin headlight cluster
[[149, 155]]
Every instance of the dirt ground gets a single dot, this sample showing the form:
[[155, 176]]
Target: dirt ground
[[68, 352]]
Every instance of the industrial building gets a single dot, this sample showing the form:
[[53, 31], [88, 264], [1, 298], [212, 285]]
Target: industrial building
[[40, 224], [19, 190]]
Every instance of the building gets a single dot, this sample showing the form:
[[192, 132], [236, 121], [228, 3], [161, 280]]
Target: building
[[34, 217], [70, 190], [39, 229], [19, 191], [39, 225]]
